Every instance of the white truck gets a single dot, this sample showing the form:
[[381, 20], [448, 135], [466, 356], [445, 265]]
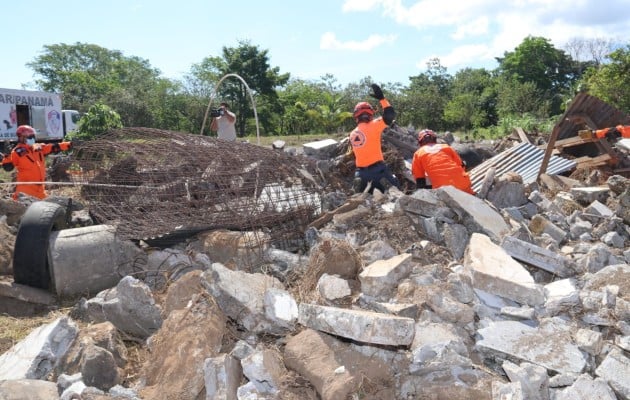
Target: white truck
[[41, 110]]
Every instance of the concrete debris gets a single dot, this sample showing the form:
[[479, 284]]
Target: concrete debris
[[522, 293], [37, 354]]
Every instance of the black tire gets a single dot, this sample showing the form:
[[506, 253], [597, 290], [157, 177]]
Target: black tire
[[30, 254]]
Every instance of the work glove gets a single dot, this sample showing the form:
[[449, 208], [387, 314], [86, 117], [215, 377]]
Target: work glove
[[613, 134], [377, 92], [421, 183]]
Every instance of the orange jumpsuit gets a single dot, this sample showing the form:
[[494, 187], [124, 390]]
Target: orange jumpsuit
[[624, 131], [31, 166], [442, 165], [365, 140]]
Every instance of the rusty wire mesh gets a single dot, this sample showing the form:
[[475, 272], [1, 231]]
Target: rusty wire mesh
[[149, 183]]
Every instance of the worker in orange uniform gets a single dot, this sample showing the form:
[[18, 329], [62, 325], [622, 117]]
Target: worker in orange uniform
[[613, 133], [28, 158], [365, 140], [440, 162]]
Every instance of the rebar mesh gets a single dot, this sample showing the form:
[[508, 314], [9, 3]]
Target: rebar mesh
[[150, 182]]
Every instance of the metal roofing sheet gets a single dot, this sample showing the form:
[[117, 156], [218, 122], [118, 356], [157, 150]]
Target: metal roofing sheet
[[524, 159]]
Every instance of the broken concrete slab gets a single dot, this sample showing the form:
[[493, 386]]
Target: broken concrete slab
[[359, 325], [241, 296], [381, 278], [38, 353], [320, 149], [615, 369], [222, 375], [587, 195], [494, 271], [476, 214], [550, 347], [586, 388], [537, 256]]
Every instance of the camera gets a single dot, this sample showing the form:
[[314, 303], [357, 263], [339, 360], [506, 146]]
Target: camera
[[217, 112]]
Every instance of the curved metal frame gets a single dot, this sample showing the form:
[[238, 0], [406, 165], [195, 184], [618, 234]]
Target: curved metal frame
[[251, 97]]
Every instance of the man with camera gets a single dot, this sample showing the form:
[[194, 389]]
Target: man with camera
[[223, 122]]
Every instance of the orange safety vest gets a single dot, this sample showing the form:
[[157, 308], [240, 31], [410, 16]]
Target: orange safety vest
[[365, 140], [442, 165], [31, 166]]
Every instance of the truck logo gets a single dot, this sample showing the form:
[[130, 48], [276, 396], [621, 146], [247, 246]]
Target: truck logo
[[54, 121]]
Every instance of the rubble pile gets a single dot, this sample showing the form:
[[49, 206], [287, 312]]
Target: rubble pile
[[436, 294]]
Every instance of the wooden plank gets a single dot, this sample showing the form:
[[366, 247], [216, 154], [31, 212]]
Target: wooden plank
[[586, 162], [522, 135]]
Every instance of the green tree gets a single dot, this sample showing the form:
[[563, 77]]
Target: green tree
[[99, 119], [427, 96], [250, 63], [474, 98], [537, 61], [610, 82], [87, 74]]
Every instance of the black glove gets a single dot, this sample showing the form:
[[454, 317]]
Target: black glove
[[421, 183], [378, 93], [613, 134]]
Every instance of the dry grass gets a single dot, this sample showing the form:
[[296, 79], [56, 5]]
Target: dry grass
[[14, 329]]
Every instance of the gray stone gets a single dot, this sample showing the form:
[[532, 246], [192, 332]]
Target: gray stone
[[507, 194], [38, 353], [615, 369], [494, 271], [613, 239], [363, 326], [533, 379], [589, 341], [376, 250], [280, 308], [332, 287], [265, 369], [222, 375], [507, 391], [475, 213], [130, 306], [561, 296], [618, 184], [320, 149], [537, 256], [540, 225], [460, 287], [99, 368], [587, 195], [437, 346], [28, 389], [585, 388], [241, 296], [381, 278], [456, 239], [515, 340]]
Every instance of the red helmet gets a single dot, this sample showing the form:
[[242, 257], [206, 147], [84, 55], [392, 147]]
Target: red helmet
[[24, 130], [363, 108], [426, 136]]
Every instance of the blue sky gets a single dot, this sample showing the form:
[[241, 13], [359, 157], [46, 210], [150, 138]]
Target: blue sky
[[388, 40]]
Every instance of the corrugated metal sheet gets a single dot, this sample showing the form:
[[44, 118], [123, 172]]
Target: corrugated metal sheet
[[584, 112], [524, 159]]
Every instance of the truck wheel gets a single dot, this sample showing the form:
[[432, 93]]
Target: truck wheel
[[30, 254]]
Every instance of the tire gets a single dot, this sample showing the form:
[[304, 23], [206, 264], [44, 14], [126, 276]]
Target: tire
[[30, 254]]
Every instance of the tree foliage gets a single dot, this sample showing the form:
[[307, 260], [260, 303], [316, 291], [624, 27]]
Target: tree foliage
[[531, 85], [610, 82], [99, 119]]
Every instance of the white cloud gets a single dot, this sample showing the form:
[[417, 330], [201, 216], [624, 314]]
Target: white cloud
[[461, 56], [329, 41], [359, 5], [477, 27]]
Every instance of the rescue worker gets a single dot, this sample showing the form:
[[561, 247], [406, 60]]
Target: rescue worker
[[28, 158], [440, 163], [365, 140], [613, 133]]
